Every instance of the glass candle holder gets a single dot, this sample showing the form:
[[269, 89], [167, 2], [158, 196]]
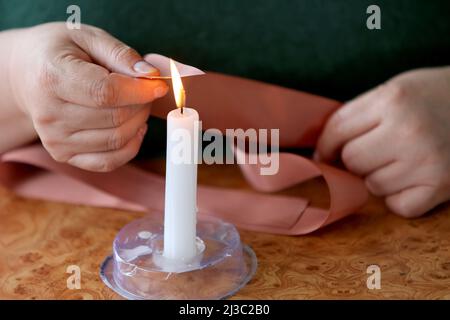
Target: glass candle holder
[[137, 268]]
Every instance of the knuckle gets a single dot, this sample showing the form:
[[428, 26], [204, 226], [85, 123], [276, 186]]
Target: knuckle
[[396, 90], [118, 116], [116, 140], [88, 34], [121, 52], [44, 118], [56, 147], [337, 123], [375, 185], [95, 31], [56, 154], [60, 158], [340, 129], [63, 56], [106, 165], [103, 93], [396, 93], [417, 132], [51, 144], [354, 159], [348, 154], [48, 76]]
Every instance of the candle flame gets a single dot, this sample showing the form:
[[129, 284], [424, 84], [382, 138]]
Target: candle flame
[[178, 89]]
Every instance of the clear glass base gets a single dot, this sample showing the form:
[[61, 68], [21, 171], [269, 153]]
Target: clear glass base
[[137, 268]]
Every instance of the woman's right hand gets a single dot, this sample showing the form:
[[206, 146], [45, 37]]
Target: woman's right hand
[[80, 90]]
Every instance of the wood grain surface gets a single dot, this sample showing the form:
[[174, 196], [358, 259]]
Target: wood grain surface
[[39, 240]]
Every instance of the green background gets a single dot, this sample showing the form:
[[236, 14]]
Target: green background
[[322, 47]]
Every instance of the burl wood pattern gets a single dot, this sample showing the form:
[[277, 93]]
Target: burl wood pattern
[[39, 240]]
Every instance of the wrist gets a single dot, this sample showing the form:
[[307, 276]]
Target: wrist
[[12, 57], [16, 127]]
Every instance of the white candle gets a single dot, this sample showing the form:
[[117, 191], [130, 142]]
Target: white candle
[[180, 216]]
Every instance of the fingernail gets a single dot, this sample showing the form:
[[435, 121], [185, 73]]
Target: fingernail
[[142, 131], [144, 67], [316, 156], [160, 91]]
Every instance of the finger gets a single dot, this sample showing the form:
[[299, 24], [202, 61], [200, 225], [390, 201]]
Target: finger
[[353, 119], [82, 118], [368, 152], [99, 140], [110, 160], [111, 53], [389, 179], [87, 84], [413, 202]]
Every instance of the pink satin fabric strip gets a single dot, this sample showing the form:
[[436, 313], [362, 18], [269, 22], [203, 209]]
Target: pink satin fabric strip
[[223, 102]]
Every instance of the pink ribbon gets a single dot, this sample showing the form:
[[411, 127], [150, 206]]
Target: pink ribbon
[[222, 101]]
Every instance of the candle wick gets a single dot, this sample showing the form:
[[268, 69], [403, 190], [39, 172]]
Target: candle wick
[[183, 100]]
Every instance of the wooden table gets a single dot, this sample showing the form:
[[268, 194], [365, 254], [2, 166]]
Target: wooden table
[[39, 240]]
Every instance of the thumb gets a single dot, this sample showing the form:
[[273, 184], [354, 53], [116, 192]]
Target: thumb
[[111, 53]]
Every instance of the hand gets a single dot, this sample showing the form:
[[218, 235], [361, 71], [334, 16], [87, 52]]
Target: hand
[[397, 136], [80, 91]]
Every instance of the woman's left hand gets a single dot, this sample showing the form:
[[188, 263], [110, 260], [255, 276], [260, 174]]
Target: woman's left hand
[[397, 137]]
